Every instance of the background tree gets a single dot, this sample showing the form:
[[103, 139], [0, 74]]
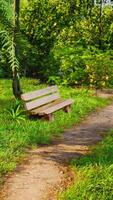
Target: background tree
[[55, 37], [62, 32]]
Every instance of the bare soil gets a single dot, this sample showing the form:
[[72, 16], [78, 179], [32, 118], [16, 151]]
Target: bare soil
[[46, 171]]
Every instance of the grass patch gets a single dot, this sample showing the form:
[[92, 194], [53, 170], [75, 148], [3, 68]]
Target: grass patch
[[19, 132], [94, 174]]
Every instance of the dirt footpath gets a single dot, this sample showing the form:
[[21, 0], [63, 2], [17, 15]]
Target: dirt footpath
[[45, 172]]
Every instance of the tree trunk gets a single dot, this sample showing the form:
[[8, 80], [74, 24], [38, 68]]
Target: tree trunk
[[16, 83], [100, 25]]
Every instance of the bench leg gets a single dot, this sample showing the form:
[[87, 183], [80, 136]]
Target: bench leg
[[49, 117], [67, 109]]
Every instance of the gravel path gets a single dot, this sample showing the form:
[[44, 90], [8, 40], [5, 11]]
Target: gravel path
[[45, 172]]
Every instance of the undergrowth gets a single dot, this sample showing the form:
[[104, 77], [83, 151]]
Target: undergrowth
[[94, 174], [18, 132]]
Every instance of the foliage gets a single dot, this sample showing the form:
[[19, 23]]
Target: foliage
[[98, 67], [7, 35], [62, 34], [16, 113], [94, 174], [65, 42], [72, 66], [8, 45], [5, 27], [6, 13]]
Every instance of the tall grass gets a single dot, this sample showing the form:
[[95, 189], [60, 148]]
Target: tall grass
[[94, 174], [17, 134]]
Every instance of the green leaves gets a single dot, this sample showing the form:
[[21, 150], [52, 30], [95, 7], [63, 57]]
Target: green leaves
[[58, 40], [9, 46], [6, 14], [16, 113], [99, 67]]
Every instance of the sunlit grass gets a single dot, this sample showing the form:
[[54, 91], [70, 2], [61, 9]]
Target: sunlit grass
[[94, 174], [16, 135]]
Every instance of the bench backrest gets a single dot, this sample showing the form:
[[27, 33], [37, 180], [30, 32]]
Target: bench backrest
[[40, 97]]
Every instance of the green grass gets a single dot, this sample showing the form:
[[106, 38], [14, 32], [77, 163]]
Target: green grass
[[94, 174], [18, 132]]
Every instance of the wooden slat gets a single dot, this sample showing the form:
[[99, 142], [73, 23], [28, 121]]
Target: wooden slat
[[40, 109], [39, 93], [42, 101], [56, 107]]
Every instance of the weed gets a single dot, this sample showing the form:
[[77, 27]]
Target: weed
[[15, 112]]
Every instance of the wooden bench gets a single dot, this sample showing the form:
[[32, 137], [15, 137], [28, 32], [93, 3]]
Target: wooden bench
[[45, 102]]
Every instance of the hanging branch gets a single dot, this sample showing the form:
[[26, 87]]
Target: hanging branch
[[8, 40]]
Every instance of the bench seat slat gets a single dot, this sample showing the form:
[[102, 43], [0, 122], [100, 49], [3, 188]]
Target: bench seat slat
[[56, 107], [40, 109], [39, 93], [41, 101]]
